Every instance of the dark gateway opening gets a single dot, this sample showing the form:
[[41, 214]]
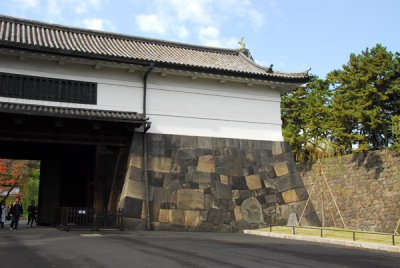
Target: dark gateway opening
[[83, 153]]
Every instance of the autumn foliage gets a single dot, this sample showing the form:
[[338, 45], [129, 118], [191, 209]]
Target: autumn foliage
[[14, 173]]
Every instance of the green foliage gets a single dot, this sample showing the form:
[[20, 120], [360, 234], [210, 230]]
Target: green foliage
[[306, 118], [351, 110], [31, 189], [366, 97]]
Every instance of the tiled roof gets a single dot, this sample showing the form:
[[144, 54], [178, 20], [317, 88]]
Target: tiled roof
[[38, 36], [67, 112]]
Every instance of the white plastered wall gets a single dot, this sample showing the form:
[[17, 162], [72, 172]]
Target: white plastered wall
[[176, 104], [205, 107]]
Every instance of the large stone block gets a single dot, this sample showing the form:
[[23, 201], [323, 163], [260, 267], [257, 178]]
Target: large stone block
[[230, 165], [177, 217], [203, 177], [269, 184], [270, 199], [280, 147], [206, 163], [156, 178], [245, 194], [281, 169], [192, 218], [208, 201], [190, 199], [160, 195], [288, 182], [252, 211], [135, 173], [136, 161], [290, 196], [155, 210], [302, 193], [164, 215], [215, 216], [262, 156], [253, 182], [277, 148], [223, 191], [160, 164], [134, 189], [132, 207], [267, 172], [238, 213], [172, 196], [239, 183]]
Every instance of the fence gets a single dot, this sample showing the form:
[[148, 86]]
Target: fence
[[90, 218], [325, 231]]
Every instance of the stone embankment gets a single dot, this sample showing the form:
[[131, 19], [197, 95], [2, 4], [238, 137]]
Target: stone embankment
[[214, 184], [365, 186]]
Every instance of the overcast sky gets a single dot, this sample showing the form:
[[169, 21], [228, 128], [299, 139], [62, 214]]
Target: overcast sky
[[294, 35]]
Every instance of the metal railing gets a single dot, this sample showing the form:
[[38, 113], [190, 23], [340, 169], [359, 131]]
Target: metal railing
[[90, 218], [325, 230]]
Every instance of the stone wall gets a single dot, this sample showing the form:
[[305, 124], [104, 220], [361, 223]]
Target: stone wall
[[213, 184], [366, 187]]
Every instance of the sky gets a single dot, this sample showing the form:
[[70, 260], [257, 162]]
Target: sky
[[293, 35]]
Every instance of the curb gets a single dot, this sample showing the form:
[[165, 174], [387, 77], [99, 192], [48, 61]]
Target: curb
[[315, 239]]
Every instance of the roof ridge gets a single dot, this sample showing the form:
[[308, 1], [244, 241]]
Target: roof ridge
[[265, 68], [251, 61], [116, 35]]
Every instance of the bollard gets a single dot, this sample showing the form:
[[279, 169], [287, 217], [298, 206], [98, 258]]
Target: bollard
[[293, 230], [393, 242], [354, 236], [321, 232], [270, 228]]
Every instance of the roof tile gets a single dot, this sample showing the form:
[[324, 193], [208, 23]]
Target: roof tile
[[20, 33], [68, 112]]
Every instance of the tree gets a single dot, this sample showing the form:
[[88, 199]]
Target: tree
[[366, 97], [306, 117], [30, 191], [14, 173], [352, 109]]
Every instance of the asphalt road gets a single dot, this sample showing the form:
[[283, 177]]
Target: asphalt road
[[40, 247]]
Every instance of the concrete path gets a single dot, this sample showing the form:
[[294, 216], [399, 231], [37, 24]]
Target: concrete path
[[49, 247]]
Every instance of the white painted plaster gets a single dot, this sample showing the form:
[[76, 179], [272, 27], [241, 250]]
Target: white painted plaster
[[176, 104]]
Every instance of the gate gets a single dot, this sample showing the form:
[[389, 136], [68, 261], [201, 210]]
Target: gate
[[90, 218]]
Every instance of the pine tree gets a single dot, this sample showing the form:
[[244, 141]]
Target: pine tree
[[366, 96]]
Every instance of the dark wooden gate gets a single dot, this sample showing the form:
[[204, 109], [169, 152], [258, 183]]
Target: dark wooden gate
[[71, 218]]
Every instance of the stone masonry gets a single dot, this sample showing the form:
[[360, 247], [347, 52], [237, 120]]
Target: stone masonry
[[214, 184], [366, 187]]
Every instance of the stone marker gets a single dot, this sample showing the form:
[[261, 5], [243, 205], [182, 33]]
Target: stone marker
[[292, 221]]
